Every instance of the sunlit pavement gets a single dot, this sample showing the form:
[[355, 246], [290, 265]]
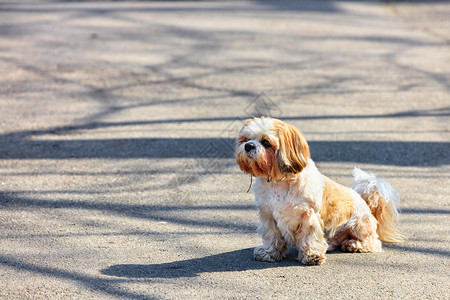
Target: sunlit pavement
[[117, 176]]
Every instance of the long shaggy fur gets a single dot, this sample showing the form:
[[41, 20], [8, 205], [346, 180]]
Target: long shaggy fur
[[300, 206], [383, 202]]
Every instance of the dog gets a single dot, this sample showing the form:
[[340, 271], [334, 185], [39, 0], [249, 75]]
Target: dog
[[300, 206]]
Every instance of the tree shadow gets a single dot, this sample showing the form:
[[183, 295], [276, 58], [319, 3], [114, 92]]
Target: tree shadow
[[187, 215], [398, 153], [22, 145], [102, 285], [420, 250], [425, 211], [309, 6]]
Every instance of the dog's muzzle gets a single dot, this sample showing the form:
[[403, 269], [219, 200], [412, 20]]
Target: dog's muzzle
[[249, 147]]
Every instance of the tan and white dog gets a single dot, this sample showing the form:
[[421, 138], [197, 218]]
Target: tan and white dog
[[300, 206]]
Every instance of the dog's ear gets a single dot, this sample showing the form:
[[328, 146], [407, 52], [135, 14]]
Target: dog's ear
[[293, 152]]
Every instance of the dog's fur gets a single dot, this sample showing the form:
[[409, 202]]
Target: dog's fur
[[298, 205]]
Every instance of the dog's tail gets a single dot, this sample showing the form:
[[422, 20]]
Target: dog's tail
[[382, 200]]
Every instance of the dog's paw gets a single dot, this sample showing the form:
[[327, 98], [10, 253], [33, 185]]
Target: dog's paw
[[351, 246], [358, 246], [312, 260], [261, 253]]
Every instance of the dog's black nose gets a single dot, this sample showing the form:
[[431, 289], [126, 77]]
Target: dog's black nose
[[249, 146]]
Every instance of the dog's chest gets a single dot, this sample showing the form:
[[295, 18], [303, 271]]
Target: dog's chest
[[271, 195]]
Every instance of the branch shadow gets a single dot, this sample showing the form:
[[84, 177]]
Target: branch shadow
[[187, 215], [422, 211], [427, 251], [105, 286]]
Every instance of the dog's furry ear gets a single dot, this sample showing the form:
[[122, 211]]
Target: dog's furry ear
[[293, 152]]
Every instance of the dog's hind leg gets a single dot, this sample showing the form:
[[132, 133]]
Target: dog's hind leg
[[362, 235]]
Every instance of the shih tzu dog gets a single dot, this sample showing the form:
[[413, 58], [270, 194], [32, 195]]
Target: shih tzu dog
[[300, 206]]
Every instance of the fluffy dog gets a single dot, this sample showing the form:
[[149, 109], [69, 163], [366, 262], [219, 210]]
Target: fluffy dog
[[298, 205]]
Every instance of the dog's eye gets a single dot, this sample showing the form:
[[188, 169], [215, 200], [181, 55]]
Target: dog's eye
[[265, 143], [245, 140]]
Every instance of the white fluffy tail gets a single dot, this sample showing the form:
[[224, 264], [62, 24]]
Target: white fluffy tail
[[382, 200]]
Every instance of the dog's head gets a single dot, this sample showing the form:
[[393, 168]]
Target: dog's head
[[271, 148]]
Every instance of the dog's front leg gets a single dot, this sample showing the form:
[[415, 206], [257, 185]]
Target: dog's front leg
[[274, 247], [309, 239]]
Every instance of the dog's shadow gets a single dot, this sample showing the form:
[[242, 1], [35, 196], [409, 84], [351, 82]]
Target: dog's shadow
[[239, 260]]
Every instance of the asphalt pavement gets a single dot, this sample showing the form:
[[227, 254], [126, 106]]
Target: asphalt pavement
[[117, 119]]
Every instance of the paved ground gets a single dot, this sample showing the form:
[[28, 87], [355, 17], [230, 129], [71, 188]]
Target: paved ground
[[117, 176]]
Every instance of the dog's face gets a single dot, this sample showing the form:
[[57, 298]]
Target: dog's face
[[271, 148]]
